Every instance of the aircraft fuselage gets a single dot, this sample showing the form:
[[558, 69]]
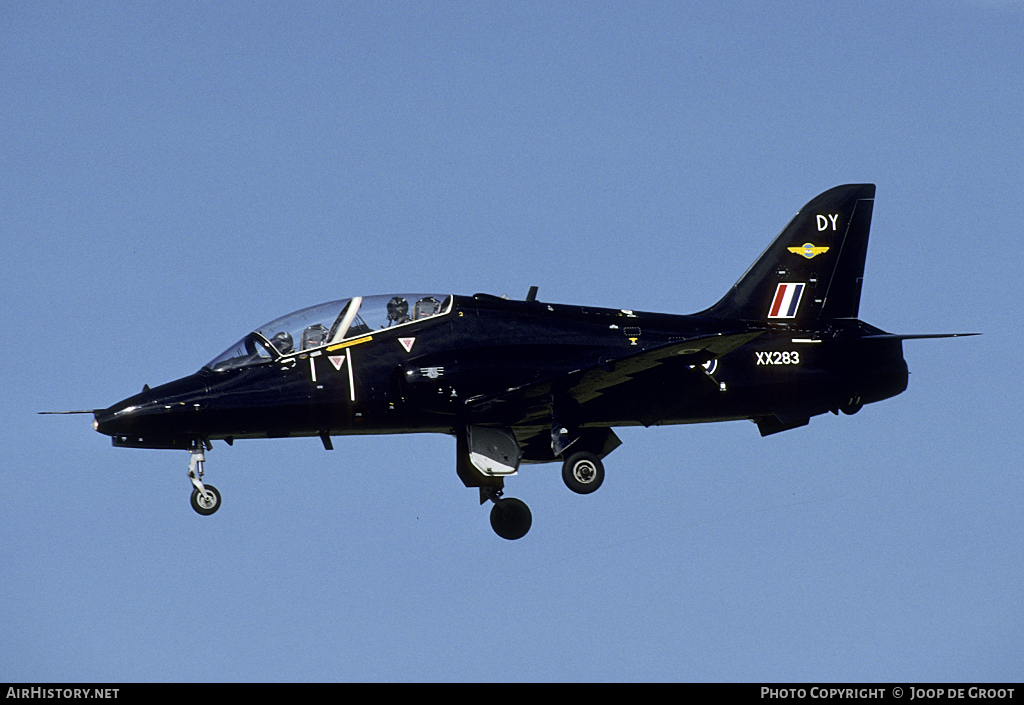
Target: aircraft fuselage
[[424, 377]]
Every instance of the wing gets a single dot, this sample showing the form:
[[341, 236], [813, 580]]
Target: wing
[[533, 400]]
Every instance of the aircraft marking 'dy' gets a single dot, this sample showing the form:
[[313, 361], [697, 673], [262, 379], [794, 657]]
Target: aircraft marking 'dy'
[[529, 382]]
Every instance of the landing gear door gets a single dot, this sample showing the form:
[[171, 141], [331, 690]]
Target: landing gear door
[[493, 451]]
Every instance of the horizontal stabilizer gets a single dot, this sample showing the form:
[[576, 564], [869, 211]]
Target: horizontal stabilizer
[[916, 336]]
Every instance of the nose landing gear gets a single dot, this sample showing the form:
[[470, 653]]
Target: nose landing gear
[[205, 498]]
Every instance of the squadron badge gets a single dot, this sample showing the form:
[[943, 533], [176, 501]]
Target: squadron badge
[[808, 250]]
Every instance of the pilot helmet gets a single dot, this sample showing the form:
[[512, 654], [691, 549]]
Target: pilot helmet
[[282, 342], [398, 309]]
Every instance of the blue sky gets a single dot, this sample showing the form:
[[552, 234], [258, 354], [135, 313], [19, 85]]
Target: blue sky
[[176, 174]]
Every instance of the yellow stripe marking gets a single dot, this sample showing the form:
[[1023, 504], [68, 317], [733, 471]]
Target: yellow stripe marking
[[350, 343]]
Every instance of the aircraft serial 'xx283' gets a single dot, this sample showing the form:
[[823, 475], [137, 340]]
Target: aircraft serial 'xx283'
[[525, 381]]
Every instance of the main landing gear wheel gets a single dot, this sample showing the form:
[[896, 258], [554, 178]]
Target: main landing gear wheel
[[583, 472], [206, 503], [511, 518]]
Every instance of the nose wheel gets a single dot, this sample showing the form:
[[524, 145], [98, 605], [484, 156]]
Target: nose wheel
[[205, 498], [207, 501]]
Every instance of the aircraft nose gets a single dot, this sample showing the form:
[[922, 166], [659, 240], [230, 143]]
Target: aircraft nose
[[163, 415], [119, 418]]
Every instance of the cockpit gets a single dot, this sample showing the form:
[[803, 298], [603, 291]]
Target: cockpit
[[329, 324]]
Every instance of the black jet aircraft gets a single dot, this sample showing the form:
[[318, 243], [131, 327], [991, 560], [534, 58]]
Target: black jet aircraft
[[533, 382]]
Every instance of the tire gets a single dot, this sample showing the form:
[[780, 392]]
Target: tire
[[511, 518], [205, 505], [583, 472]]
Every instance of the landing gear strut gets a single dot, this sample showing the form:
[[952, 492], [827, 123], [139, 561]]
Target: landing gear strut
[[205, 498]]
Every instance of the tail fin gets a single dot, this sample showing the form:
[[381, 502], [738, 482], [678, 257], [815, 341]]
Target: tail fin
[[813, 269]]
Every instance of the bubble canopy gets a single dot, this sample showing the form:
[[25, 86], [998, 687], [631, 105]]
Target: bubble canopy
[[328, 324]]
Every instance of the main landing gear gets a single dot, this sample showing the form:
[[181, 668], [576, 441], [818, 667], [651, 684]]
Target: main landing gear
[[583, 472], [205, 498], [486, 455], [510, 517]]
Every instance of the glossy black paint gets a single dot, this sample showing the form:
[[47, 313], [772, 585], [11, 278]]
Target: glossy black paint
[[538, 368]]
